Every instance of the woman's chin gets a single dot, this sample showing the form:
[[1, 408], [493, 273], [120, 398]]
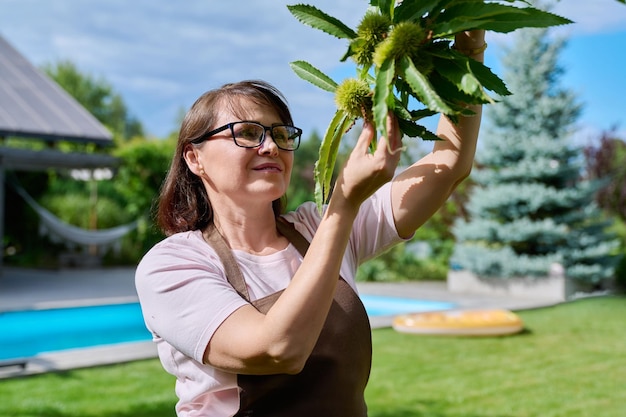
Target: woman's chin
[[268, 194]]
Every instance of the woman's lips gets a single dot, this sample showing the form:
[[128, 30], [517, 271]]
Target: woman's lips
[[268, 167]]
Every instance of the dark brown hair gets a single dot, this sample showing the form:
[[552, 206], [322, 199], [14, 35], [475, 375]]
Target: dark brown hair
[[183, 202]]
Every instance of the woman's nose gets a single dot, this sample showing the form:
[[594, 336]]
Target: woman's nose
[[268, 145]]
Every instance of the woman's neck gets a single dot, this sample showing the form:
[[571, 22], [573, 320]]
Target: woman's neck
[[252, 233]]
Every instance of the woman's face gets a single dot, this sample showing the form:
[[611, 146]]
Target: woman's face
[[242, 175]]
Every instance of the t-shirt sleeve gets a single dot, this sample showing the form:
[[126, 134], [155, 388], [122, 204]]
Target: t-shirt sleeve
[[184, 293], [374, 229]]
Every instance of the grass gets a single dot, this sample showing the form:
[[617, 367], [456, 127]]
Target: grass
[[570, 362], [135, 389]]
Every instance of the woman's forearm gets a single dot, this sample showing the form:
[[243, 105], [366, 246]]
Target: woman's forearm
[[420, 190]]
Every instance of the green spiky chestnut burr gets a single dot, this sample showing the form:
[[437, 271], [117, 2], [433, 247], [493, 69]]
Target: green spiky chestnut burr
[[354, 97], [405, 39], [372, 29]]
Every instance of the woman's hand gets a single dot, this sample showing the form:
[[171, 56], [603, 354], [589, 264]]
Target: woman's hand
[[365, 172]]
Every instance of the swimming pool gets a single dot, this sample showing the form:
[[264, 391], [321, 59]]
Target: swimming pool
[[379, 305], [30, 332]]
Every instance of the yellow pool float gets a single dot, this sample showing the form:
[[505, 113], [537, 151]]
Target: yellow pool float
[[490, 322]]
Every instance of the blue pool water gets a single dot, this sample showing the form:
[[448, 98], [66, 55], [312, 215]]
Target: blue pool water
[[30, 332], [378, 305], [27, 333]]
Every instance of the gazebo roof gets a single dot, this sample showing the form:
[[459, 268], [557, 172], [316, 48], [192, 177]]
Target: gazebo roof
[[32, 105]]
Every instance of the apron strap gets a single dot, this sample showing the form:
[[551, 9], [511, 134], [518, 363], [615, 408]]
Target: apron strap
[[233, 273], [288, 230]]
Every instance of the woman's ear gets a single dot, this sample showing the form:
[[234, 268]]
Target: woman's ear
[[193, 162]]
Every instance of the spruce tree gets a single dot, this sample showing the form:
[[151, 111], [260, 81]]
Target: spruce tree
[[530, 207]]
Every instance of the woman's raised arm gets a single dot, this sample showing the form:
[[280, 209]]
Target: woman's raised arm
[[419, 191]]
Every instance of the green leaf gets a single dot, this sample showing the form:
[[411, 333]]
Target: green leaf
[[401, 111], [492, 16], [413, 10], [401, 108], [421, 113], [317, 19], [456, 99], [422, 88], [413, 130], [440, 7], [488, 79], [354, 44], [386, 7], [383, 94], [325, 165], [313, 75], [459, 74], [443, 58]]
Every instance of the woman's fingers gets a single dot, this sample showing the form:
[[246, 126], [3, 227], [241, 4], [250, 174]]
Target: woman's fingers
[[390, 147], [364, 172], [392, 143], [366, 137], [393, 127]]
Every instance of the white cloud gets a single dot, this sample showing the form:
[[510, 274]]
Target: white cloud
[[596, 16], [162, 55]]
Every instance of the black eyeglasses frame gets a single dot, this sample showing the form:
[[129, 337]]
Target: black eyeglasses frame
[[230, 125]]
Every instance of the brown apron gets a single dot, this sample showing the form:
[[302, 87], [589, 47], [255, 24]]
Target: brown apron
[[334, 377]]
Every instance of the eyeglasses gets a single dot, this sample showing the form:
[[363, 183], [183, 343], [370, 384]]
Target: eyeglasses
[[252, 134]]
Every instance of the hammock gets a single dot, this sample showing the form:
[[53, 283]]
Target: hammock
[[55, 227]]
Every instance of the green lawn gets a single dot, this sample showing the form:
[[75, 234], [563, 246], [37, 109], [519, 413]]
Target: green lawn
[[570, 362]]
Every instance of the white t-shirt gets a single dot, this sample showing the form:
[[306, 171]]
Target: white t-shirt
[[185, 296]]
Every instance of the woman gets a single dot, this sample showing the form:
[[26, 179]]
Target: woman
[[255, 312]]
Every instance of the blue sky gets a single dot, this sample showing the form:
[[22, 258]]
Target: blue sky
[[161, 55]]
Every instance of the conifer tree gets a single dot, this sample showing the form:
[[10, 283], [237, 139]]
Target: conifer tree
[[531, 208]]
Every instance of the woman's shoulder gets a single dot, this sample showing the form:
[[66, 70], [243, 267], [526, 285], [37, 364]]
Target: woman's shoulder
[[189, 239], [183, 246], [305, 218]]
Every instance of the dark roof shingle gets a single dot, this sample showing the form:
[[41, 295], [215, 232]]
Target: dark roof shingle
[[32, 105]]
